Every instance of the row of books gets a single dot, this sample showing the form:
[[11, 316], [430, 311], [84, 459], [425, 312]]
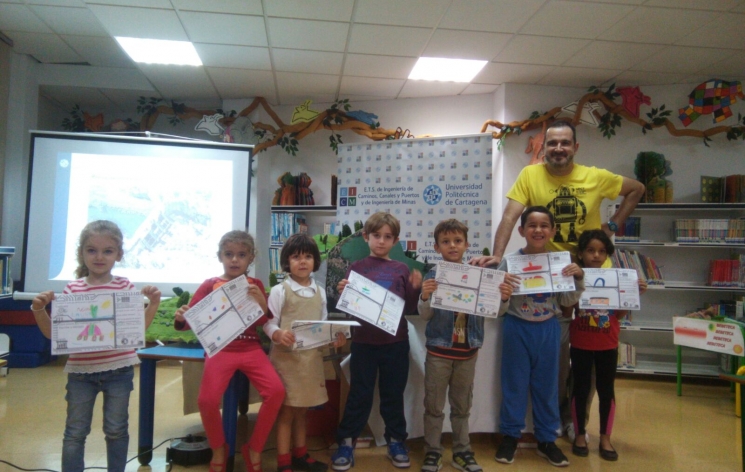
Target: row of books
[[728, 189], [712, 230], [729, 308], [626, 355], [6, 281], [644, 266], [285, 225], [727, 272], [630, 230]]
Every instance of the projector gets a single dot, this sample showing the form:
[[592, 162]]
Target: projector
[[190, 450]]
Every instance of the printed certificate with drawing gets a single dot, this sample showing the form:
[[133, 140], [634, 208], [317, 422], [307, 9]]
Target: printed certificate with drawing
[[312, 334], [369, 301], [97, 321], [467, 289], [611, 289], [223, 315], [541, 273]]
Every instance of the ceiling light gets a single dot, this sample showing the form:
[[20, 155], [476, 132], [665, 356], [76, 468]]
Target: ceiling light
[[446, 70], [160, 51]]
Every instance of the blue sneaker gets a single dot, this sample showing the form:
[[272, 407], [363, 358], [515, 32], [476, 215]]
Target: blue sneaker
[[343, 458], [398, 453]]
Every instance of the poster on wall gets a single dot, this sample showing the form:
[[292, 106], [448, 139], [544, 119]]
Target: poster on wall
[[421, 182]]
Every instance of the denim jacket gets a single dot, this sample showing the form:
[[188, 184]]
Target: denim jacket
[[439, 331]]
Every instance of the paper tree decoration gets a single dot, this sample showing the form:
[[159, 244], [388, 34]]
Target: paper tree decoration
[[713, 96]]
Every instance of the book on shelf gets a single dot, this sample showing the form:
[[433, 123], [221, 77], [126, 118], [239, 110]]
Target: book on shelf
[[727, 189], [727, 272], [630, 230], [709, 230], [285, 224], [626, 355], [645, 267]]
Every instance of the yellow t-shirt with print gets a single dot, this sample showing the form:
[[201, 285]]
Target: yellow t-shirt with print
[[573, 199]]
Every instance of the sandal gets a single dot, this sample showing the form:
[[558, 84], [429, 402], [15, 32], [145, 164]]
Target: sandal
[[250, 466], [219, 466]]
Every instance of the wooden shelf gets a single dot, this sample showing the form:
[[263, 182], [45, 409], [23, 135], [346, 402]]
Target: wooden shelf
[[303, 208], [669, 368]]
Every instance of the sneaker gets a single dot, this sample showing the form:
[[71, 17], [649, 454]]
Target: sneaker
[[398, 453], [572, 435], [465, 461], [308, 464], [551, 452], [343, 458], [506, 451], [432, 462]]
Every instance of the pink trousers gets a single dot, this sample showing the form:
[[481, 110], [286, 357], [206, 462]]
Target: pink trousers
[[218, 370]]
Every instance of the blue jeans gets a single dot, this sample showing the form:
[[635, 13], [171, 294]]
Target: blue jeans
[[82, 390]]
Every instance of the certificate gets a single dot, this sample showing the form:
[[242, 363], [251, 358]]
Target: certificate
[[223, 315], [464, 288], [97, 321], [541, 273], [611, 289], [368, 301], [312, 334]]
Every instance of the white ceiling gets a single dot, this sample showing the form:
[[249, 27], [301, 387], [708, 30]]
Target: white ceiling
[[292, 50]]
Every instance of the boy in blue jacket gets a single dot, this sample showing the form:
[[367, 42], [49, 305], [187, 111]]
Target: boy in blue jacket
[[453, 341]]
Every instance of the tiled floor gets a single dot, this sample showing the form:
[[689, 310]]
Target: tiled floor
[[655, 430]]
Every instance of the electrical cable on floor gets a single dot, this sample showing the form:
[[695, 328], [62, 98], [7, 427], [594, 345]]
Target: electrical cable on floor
[[170, 463]]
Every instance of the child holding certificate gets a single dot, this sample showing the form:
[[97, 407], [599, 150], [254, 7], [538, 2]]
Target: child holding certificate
[[297, 299], [110, 372], [453, 342], [236, 252], [593, 335], [376, 352], [530, 350]]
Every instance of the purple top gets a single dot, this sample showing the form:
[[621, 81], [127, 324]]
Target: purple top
[[393, 276]]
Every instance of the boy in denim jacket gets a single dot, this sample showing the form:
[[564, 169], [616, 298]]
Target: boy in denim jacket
[[453, 341]]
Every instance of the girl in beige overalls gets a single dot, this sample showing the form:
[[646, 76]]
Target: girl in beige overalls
[[297, 298]]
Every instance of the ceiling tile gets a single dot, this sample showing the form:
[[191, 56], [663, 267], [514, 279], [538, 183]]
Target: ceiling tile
[[633, 78], [502, 16], [240, 83], [734, 65], [527, 49], [180, 82], [135, 3], [236, 57], [612, 55], [711, 35], [624, 2], [578, 77], [238, 7], [477, 89], [423, 13], [643, 25], [341, 10], [64, 20], [288, 98], [56, 3], [312, 84], [395, 40], [18, 17], [307, 34], [46, 48], [502, 73], [721, 5], [681, 59], [89, 99], [99, 51], [140, 22], [314, 62], [425, 88], [568, 19], [392, 67], [370, 87], [365, 98], [220, 28], [465, 44]]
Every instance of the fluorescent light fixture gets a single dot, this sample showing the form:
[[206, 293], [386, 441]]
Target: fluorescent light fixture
[[446, 70], [160, 51]]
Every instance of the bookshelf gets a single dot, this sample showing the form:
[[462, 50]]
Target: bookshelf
[[685, 271]]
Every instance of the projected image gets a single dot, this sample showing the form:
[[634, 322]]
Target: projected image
[[172, 216]]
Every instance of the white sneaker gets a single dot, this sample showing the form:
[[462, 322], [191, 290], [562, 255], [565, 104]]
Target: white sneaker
[[569, 429]]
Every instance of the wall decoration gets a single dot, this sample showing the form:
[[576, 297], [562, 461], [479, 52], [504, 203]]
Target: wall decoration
[[713, 96], [535, 146], [590, 112], [210, 124], [651, 168], [632, 99], [303, 113], [614, 113]]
